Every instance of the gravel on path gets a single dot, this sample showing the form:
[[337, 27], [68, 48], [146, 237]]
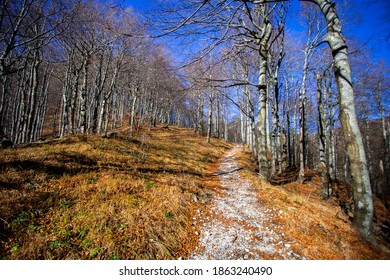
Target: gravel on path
[[234, 225]]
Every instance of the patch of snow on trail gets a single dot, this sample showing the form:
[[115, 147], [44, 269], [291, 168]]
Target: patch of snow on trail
[[236, 229]]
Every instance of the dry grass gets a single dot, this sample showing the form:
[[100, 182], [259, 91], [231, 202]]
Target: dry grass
[[315, 228], [87, 197]]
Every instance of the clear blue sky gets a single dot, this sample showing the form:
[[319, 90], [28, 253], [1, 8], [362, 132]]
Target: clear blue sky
[[373, 26], [371, 23]]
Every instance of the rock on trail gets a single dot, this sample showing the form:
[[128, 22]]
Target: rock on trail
[[235, 226]]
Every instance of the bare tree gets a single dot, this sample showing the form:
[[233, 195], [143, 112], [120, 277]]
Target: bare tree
[[27, 27], [322, 125], [362, 193]]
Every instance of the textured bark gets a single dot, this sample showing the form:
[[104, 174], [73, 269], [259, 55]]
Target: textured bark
[[210, 116], [132, 114], [2, 100], [288, 124], [262, 114], [249, 114], [225, 122], [323, 168], [302, 113], [65, 100], [362, 193], [251, 122], [73, 100], [243, 123], [83, 95], [331, 123], [386, 142], [277, 132], [201, 113], [331, 155]]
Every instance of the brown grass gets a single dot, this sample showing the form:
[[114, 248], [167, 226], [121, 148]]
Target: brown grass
[[315, 228], [87, 197]]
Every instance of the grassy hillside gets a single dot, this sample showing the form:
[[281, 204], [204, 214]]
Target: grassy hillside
[[87, 197]]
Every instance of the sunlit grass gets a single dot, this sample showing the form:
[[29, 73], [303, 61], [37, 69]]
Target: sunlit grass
[[87, 197], [314, 228]]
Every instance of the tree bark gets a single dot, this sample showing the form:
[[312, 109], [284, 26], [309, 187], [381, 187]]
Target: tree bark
[[361, 187], [83, 95], [210, 117], [288, 124], [302, 114], [262, 114], [323, 168]]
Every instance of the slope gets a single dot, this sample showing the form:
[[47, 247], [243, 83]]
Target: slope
[[313, 227], [88, 197], [146, 197]]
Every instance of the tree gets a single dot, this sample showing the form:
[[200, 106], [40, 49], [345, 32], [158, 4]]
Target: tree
[[313, 33], [322, 125], [362, 193], [27, 28]]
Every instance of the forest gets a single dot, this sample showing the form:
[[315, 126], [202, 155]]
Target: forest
[[302, 103]]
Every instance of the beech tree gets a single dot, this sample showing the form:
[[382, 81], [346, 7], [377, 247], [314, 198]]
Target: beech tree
[[27, 27], [322, 92], [362, 193], [74, 59]]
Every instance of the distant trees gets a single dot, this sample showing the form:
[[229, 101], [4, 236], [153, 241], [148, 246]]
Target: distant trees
[[108, 70], [28, 28], [372, 98], [83, 66]]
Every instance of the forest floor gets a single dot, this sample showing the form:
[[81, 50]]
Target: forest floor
[[165, 194], [248, 218], [235, 225], [90, 197]]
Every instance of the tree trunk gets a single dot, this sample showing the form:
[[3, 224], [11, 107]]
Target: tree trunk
[[83, 95], [225, 122], [243, 124], [262, 114], [132, 114], [323, 168], [201, 113], [73, 100], [288, 124], [331, 147], [361, 188], [210, 117], [302, 115], [3, 94], [386, 143]]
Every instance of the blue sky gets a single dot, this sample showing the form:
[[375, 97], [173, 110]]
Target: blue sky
[[371, 23], [373, 26]]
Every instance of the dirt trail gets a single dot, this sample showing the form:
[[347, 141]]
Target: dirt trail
[[235, 225]]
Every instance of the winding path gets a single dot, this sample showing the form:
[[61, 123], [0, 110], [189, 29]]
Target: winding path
[[234, 224]]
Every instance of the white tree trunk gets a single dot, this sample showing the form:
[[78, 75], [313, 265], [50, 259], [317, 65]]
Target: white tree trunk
[[323, 168], [362, 193], [262, 112]]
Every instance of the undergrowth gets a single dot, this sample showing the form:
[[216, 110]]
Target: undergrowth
[[88, 197], [315, 228]]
